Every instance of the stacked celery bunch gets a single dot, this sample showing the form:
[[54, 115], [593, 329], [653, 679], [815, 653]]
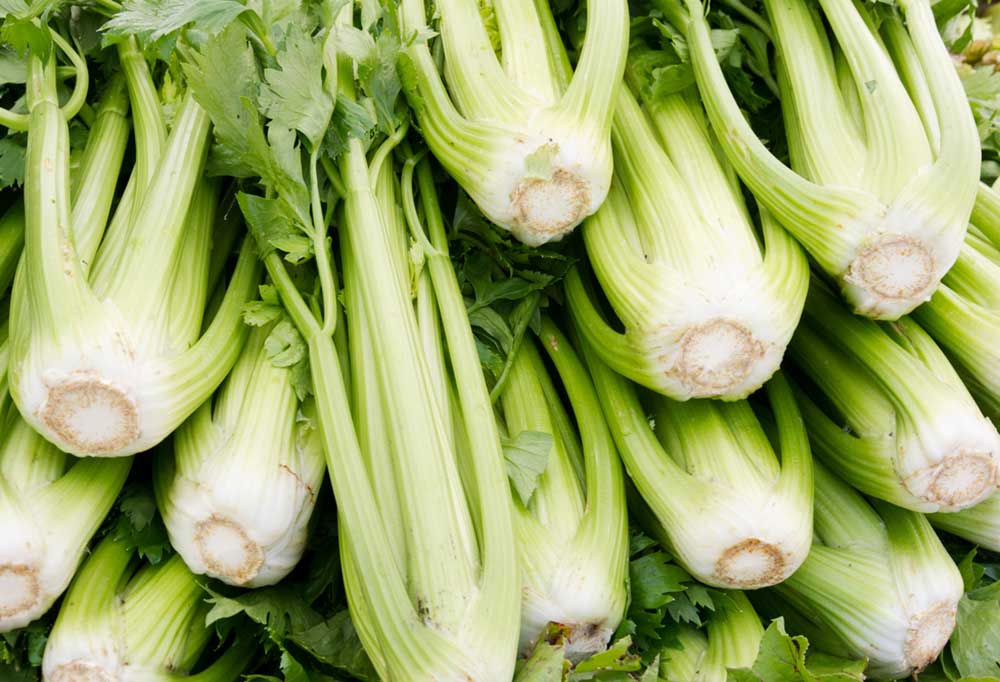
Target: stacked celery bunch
[[499, 340]]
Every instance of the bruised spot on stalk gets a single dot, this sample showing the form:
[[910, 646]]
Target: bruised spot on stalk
[[227, 550], [928, 635], [548, 208], [92, 415], [894, 267], [19, 589], [751, 563], [82, 671], [716, 356]]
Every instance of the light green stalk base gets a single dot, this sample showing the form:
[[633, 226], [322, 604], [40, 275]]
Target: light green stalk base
[[120, 624], [707, 310], [237, 492], [527, 138], [884, 149], [573, 532], [878, 580], [733, 514], [914, 435]]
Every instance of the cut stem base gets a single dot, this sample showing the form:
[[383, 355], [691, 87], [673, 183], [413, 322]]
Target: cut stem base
[[19, 589], [227, 551], [91, 415], [751, 564]]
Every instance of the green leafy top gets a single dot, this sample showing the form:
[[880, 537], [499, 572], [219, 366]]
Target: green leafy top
[[977, 50], [662, 596], [659, 64], [151, 20], [506, 284], [787, 658], [973, 654]]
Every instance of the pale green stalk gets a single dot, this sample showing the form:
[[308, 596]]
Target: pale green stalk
[[572, 533], [684, 660], [528, 139], [98, 365], [734, 633], [883, 179], [877, 579], [127, 622], [895, 419], [708, 303], [964, 314], [434, 596], [238, 489], [453, 550], [734, 508]]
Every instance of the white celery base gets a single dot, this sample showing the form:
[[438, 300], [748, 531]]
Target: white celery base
[[245, 540], [20, 593], [100, 392], [226, 550], [543, 204], [736, 542], [727, 356], [928, 634], [81, 671], [589, 611], [751, 563], [891, 276], [950, 460]]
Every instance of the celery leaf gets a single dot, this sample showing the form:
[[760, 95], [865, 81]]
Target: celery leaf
[[154, 19], [547, 661], [982, 87], [351, 121], [259, 313], [11, 163], [783, 657], [662, 596], [294, 95], [13, 69], [273, 228], [334, 642], [140, 527], [223, 76], [527, 455], [618, 663], [380, 81], [655, 579], [294, 626], [974, 650], [616, 659], [279, 609], [284, 346]]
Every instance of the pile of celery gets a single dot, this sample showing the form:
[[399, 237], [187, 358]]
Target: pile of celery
[[499, 341]]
